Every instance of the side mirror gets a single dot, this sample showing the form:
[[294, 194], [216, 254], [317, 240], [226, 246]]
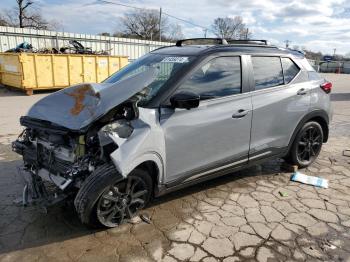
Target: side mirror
[[185, 99]]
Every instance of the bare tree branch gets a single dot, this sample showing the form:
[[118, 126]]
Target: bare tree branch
[[25, 15], [245, 34], [175, 33], [22, 5], [3, 20], [143, 24], [230, 28]]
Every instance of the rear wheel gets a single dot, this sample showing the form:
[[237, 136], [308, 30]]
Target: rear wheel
[[307, 145], [107, 199]]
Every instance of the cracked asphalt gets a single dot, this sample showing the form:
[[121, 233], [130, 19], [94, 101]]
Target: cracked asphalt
[[257, 214]]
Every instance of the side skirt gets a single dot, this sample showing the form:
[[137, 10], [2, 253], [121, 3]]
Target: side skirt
[[183, 183]]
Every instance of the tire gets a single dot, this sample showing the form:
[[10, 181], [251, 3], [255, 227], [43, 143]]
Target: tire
[[306, 146], [106, 194]]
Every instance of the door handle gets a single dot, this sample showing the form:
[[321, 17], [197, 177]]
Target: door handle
[[302, 92], [240, 113]]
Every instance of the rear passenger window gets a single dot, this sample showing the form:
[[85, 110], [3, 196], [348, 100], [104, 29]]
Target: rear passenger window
[[267, 72], [290, 69], [219, 77]]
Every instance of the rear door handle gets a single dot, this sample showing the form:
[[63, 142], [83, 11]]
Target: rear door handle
[[302, 92], [240, 113]]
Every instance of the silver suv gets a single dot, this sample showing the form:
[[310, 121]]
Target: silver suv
[[177, 116]]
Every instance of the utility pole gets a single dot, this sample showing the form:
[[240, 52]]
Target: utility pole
[[160, 22], [287, 43], [334, 50], [205, 33]]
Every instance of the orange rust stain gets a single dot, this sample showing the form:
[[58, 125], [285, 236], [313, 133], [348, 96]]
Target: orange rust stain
[[79, 95]]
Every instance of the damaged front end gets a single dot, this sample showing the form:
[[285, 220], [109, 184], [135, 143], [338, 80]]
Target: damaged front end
[[68, 134], [57, 161]]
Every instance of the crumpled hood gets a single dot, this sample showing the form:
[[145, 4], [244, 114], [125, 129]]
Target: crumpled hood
[[77, 106]]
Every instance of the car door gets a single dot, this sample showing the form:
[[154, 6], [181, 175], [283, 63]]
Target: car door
[[280, 100], [217, 132]]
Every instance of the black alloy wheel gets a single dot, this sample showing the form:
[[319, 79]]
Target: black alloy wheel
[[122, 201], [306, 146], [107, 199], [309, 144]]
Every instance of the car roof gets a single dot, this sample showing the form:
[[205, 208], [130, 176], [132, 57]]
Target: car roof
[[197, 50]]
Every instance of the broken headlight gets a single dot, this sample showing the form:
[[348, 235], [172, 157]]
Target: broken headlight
[[121, 127]]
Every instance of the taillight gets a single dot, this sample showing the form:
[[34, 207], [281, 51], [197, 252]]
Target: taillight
[[327, 87]]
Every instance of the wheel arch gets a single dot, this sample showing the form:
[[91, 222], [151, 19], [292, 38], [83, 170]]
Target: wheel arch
[[152, 169], [151, 161], [319, 116], [324, 124]]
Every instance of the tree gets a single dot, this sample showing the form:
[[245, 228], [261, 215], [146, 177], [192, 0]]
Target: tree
[[143, 24], [36, 21], [24, 15], [245, 34], [22, 5], [230, 28], [175, 33], [313, 55], [3, 20], [104, 34]]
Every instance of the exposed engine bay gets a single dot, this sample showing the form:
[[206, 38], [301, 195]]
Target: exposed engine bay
[[71, 132], [64, 158]]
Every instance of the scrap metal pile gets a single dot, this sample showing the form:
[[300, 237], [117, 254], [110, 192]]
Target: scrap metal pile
[[74, 47]]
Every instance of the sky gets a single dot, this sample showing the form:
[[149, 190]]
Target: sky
[[318, 25]]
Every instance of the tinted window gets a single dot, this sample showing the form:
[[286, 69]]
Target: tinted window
[[219, 77], [290, 69], [166, 67], [267, 72]]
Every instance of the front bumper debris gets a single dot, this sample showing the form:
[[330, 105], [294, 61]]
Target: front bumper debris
[[37, 192]]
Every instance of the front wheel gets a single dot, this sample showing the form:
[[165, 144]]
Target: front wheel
[[108, 199], [307, 145]]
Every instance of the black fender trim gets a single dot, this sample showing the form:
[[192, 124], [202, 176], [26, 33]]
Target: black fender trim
[[321, 114], [168, 188]]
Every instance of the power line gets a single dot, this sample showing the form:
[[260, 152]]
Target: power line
[[114, 3], [185, 21], [164, 13]]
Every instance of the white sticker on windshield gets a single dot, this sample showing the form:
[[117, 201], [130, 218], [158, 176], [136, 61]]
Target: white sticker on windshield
[[175, 59]]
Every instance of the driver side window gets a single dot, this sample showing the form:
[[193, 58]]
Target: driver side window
[[219, 77]]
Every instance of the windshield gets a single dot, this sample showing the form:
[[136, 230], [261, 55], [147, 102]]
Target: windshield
[[166, 66]]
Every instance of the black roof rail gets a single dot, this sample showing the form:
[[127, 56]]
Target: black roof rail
[[202, 41], [299, 51], [302, 52], [220, 41], [247, 41]]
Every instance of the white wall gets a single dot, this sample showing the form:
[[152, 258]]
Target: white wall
[[10, 37]]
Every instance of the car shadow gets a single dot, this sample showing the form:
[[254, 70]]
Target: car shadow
[[28, 227], [267, 168]]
